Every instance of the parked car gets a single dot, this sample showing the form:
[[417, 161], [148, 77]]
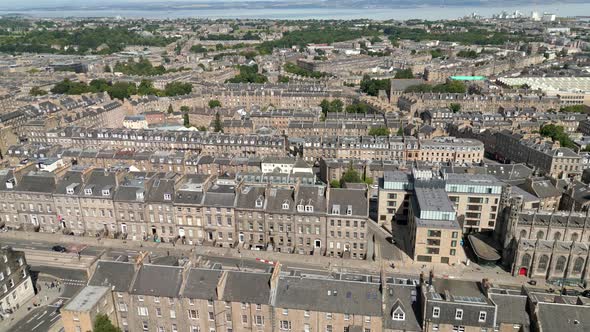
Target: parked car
[[59, 248]]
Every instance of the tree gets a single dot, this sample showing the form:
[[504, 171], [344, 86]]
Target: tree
[[379, 131], [335, 184], [37, 91], [283, 79], [177, 89], [186, 120], [202, 128], [455, 107], [404, 73], [214, 103], [248, 74], [103, 324], [184, 109], [217, 124], [400, 131], [372, 87], [350, 176], [146, 87], [107, 69], [471, 54], [170, 109], [557, 133], [122, 90], [336, 105]]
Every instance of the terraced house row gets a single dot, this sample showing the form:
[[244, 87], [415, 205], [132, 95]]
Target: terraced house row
[[295, 217], [180, 296]]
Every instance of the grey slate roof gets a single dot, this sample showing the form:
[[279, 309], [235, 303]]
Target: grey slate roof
[[158, 280], [560, 317], [201, 284], [116, 274], [511, 309], [344, 296], [37, 182], [345, 197], [408, 297], [247, 287]]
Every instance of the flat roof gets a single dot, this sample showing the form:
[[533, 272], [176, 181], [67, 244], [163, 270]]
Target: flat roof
[[87, 298], [433, 199]]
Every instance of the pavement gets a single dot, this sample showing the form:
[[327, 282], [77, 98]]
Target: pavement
[[29, 318]]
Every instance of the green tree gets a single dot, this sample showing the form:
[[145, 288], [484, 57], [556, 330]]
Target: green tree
[[214, 103], [557, 133], [470, 54], [379, 131], [400, 131], [336, 105], [184, 109], [437, 53], [357, 108], [283, 79], [177, 89], [325, 105], [37, 91], [122, 90], [146, 87], [198, 48], [107, 69], [248, 74], [99, 85], [217, 124], [372, 87], [350, 176], [575, 109], [404, 73], [170, 109], [103, 324], [202, 128], [455, 107], [335, 184], [186, 120]]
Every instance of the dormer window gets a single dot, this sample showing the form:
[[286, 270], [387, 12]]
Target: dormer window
[[398, 314], [285, 205], [106, 192], [139, 195], [336, 209], [309, 208], [70, 191], [459, 314], [349, 210], [300, 208], [167, 197], [258, 202], [88, 191]]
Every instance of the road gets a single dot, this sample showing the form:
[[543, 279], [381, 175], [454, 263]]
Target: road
[[387, 250], [39, 319]]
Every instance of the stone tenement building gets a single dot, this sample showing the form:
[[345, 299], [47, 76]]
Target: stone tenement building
[[194, 209], [546, 244], [16, 287], [185, 297], [415, 102], [285, 96], [548, 158], [481, 67], [204, 142], [442, 149], [345, 64]]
